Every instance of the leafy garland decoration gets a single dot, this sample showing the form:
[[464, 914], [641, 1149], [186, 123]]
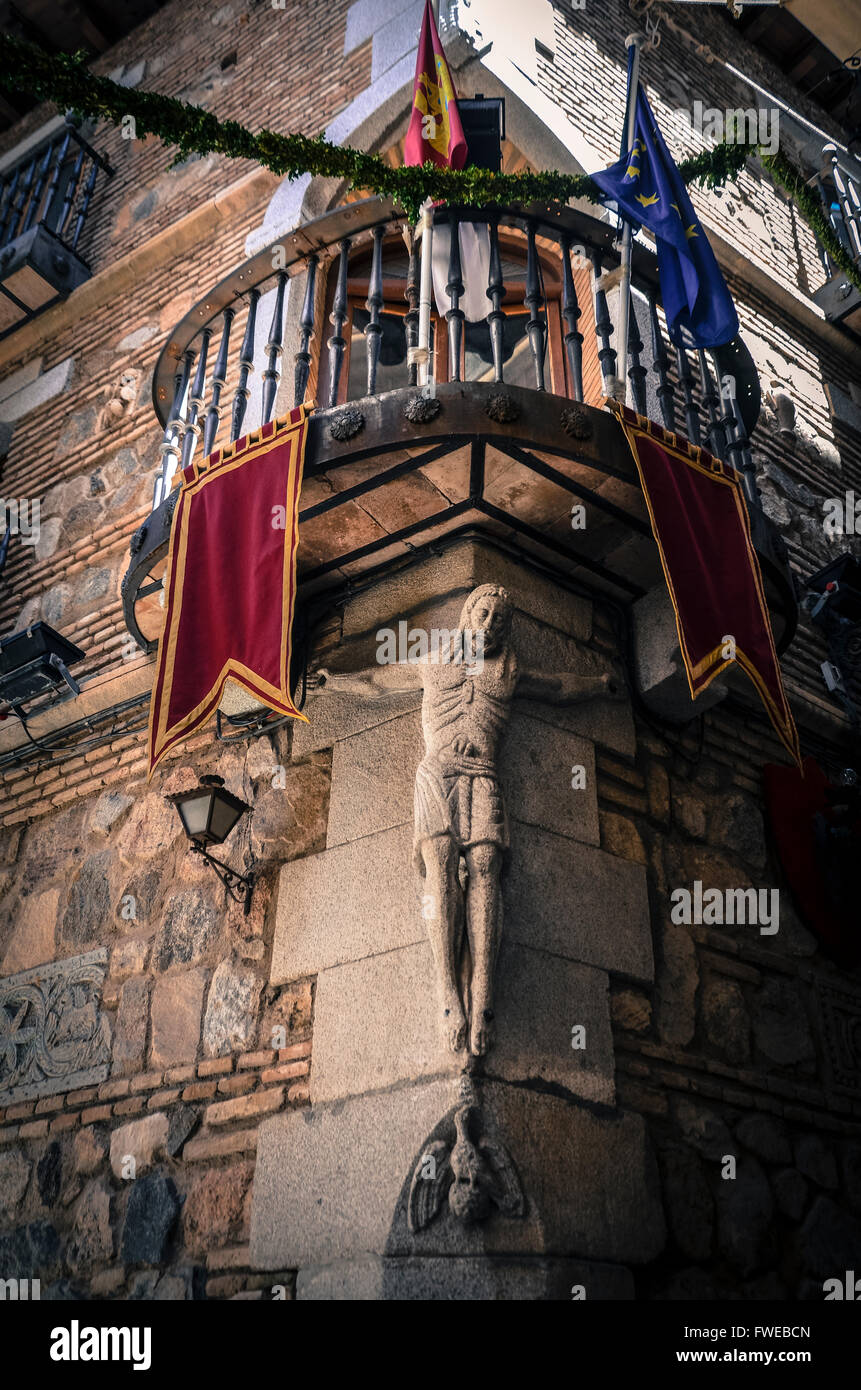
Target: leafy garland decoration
[[66, 80]]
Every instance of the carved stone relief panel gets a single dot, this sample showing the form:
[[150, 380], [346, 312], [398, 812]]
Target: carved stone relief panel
[[53, 1034]]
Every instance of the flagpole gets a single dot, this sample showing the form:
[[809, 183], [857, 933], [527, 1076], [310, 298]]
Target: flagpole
[[425, 293], [633, 41]]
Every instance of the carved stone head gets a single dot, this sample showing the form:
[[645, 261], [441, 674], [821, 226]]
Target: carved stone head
[[488, 610]]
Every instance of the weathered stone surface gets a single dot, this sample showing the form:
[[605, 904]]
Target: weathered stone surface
[[152, 827], [60, 1038], [559, 896], [454, 574], [290, 821], [688, 1201], [677, 981], [815, 1161], [745, 1211], [177, 1003], [790, 1193], [231, 1010], [620, 836], [738, 824], [109, 811], [765, 1138], [829, 1241], [130, 1035], [89, 902], [216, 1207], [183, 1121], [144, 1141], [725, 1019], [151, 1216], [311, 1207], [704, 1130], [689, 812], [49, 1172], [129, 958], [31, 1252], [780, 1026], [33, 939], [188, 929], [539, 1000], [88, 1150], [467, 1278], [92, 1239], [135, 906], [630, 1010], [14, 1176], [344, 904], [289, 1008]]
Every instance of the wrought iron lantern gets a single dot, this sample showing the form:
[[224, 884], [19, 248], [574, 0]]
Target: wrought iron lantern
[[208, 814]]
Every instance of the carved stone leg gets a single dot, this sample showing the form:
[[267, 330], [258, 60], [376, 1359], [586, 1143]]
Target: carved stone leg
[[442, 911], [484, 929]]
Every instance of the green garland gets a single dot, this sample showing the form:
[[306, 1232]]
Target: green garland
[[810, 206], [66, 80]]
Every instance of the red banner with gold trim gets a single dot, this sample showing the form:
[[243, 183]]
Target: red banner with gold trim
[[230, 583], [701, 525]]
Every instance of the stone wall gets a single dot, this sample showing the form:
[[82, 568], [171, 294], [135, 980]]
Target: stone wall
[[136, 1070]]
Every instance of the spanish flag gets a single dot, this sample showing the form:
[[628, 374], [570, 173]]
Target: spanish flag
[[230, 584], [700, 523], [435, 132]]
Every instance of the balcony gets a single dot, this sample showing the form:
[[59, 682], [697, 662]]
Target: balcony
[[44, 200], [840, 192], [509, 440]]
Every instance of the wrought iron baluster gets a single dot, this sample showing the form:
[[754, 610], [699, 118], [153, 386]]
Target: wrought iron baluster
[[636, 371], [58, 169], [737, 445], [196, 401], [536, 328], [272, 374], [219, 377], [411, 319], [686, 381], [660, 366], [20, 205], [246, 366], [8, 203], [455, 316], [337, 318], [454, 289], [306, 323], [496, 294], [36, 196], [848, 210], [70, 194], [172, 440], [712, 403], [85, 203], [571, 313], [604, 329], [374, 304]]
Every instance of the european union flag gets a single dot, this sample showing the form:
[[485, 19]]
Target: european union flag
[[649, 190]]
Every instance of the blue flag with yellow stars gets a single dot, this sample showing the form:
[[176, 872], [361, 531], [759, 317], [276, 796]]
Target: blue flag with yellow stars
[[650, 191]]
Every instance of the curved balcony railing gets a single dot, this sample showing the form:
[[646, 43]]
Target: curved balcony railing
[[203, 377], [513, 436]]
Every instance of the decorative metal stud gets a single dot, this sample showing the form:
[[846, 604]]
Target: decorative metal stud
[[575, 422], [420, 409], [502, 408], [346, 424]]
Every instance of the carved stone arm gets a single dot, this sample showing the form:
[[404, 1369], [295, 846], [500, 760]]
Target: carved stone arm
[[564, 688], [374, 683]]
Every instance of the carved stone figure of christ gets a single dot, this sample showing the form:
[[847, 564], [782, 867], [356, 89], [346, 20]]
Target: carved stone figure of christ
[[461, 827]]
